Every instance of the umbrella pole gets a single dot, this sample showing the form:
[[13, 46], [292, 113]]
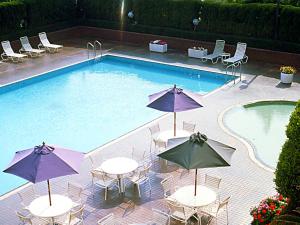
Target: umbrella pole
[[49, 192], [196, 182], [174, 124]]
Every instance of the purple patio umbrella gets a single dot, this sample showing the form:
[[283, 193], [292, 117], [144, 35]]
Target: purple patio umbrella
[[174, 100], [44, 162]]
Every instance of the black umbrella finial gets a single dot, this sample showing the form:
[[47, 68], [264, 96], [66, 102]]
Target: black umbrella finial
[[43, 149], [198, 138]]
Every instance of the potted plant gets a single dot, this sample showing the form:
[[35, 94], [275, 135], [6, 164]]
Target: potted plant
[[287, 74]]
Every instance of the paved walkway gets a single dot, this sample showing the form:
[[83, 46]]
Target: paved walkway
[[244, 181]]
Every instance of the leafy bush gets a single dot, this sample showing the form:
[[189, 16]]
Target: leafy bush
[[41, 12], [291, 218], [287, 175], [289, 24], [11, 14]]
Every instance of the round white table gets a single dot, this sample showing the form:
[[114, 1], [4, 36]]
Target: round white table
[[185, 196], [40, 206], [119, 166], [169, 134]]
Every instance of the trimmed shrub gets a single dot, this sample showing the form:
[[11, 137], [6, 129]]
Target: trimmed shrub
[[41, 13], [287, 173], [11, 15], [289, 29]]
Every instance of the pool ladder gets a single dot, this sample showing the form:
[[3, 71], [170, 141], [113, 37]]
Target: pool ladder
[[94, 48]]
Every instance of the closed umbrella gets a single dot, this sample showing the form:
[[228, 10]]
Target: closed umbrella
[[198, 151], [43, 163], [174, 100]]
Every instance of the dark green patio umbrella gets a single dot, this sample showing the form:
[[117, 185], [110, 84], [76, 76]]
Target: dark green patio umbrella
[[198, 151]]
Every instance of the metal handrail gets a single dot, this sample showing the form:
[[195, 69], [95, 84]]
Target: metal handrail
[[96, 42], [89, 44], [233, 69]]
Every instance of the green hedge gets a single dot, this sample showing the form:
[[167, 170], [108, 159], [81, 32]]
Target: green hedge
[[290, 24], [287, 175], [34, 14], [41, 12], [11, 14], [253, 20]]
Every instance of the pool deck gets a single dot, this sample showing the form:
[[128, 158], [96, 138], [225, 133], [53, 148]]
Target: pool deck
[[245, 181]]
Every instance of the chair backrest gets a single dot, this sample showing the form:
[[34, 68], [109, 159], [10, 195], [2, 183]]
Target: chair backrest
[[27, 195], [139, 157], [213, 182], [7, 47], [99, 175], [144, 172], [190, 127], [159, 144], [43, 38], [168, 185], [107, 220], [25, 43], [177, 210], [154, 129], [77, 214], [223, 204], [74, 191], [240, 50], [160, 218], [219, 47], [24, 219]]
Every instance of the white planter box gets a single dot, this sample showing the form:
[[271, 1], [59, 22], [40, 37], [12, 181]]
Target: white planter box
[[286, 78], [197, 53], [158, 48]]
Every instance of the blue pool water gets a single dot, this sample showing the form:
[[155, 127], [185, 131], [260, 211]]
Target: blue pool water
[[86, 105]]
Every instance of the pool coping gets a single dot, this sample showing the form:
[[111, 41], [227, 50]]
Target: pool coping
[[142, 126], [249, 145]]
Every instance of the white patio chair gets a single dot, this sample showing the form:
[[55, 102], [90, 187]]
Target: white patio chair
[[74, 193], [189, 127], [216, 209], [239, 55], [75, 217], [141, 177], [107, 220], [169, 187], [159, 218], [45, 44], [27, 48], [30, 220], [9, 53], [154, 131], [140, 158], [181, 213], [101, 180], [27, 195], [218, 50], [213, 182]]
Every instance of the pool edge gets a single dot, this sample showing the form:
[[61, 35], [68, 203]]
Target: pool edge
[[90, 152], [250, 148]]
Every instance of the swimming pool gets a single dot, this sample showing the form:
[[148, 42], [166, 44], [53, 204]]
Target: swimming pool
[[86, 105], [263, 124]]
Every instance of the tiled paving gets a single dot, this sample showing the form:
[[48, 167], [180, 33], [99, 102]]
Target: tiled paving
[[244, 181]]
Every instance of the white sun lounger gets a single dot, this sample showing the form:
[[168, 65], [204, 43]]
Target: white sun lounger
[[10, 54], [239, 55], [218, 51], [45, 44], [27, 49]]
